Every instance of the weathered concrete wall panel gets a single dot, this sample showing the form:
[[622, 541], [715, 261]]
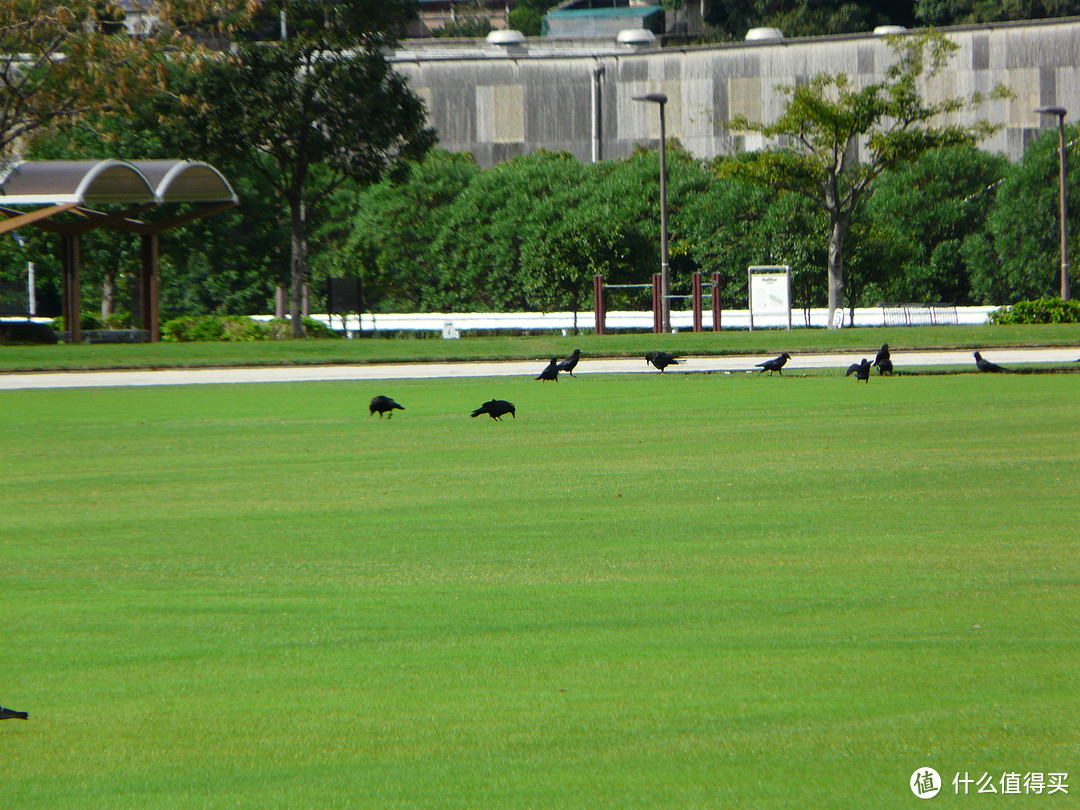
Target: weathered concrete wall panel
[[578, 97]]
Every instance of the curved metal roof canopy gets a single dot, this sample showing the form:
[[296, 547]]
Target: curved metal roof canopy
[[59, 186], [100, 182]]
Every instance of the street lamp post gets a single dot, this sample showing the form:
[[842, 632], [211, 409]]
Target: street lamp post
[[1060, 113], [665, 287]]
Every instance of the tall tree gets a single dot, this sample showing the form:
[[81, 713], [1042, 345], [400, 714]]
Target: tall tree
[[926, 210], [310, 112], [1021, 257], [59, 61], [392, 230], [831, 122]]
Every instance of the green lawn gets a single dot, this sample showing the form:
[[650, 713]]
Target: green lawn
[[382, 350], [677, 591]]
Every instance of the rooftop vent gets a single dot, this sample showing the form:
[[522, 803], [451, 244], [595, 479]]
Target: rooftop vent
[[636, 38], [759, 34], [506, 38]]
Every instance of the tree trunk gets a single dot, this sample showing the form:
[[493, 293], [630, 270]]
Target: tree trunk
[[298, 265], [838, 226], [108, 296]]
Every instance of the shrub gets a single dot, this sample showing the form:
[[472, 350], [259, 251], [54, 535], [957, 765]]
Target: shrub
[[236, 329], [192, 328], [1040, 310], [318, 329]]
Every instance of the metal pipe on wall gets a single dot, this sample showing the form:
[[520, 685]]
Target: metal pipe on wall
[[597, 77]]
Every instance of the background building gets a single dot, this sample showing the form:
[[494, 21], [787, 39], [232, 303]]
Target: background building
[[500, 100]]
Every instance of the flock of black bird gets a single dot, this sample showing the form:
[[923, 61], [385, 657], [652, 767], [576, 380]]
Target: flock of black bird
[[498, 408], [861, 370]]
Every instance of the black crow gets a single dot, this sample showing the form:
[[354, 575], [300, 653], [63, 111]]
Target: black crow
[[570, 363], [860, 370], [11, 714], [986, 365], [883, 361], [496, 408], [551, 372], [382, 405], [661, 360], [776, 364]]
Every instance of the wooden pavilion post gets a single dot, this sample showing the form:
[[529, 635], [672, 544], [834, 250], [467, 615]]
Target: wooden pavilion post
[[150, 285], [71, 288]]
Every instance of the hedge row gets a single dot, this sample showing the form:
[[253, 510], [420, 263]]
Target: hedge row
[[1041, 310], [236, 329]]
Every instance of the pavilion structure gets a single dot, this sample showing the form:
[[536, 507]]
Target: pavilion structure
[[63, 197]]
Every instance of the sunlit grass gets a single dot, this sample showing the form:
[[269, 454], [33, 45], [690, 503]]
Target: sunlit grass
[[645, 591]]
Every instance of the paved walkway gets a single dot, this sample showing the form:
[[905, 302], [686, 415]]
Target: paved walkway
[[378, 371]]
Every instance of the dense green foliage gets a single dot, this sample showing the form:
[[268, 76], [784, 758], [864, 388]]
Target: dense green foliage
[[453, 236], [1042, 310], [950, 227], [953, 227], [762, 609], [235, 328], [731, 19]]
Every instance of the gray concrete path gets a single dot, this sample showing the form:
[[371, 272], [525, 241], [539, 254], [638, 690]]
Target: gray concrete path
[[401, 371]]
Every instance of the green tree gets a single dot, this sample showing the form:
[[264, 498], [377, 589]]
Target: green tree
[[481, 246], [588, 234], [830, 121], [963, 12], [312, 112], [393, 227], [721, 230], [1021, 257], [61, 61], [925, 210]]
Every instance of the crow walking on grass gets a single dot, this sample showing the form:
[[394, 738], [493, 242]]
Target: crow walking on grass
[[661, 360], [496, 409], [551, 372], [383, 405], [985, 365], [883, 361], [570, 363], [11, 714], [860, 370], [776, 364]]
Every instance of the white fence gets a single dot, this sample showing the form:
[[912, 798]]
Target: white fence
[[452, 324]]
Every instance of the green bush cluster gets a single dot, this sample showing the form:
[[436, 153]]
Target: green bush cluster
[[1041, 310], [235, 329]]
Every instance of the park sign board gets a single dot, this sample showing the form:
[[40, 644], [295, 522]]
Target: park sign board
[[770, 295]]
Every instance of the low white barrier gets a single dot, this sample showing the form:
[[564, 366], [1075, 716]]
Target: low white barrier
[[452, 324]]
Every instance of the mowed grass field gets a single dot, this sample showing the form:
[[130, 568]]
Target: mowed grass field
[[647, 591]]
